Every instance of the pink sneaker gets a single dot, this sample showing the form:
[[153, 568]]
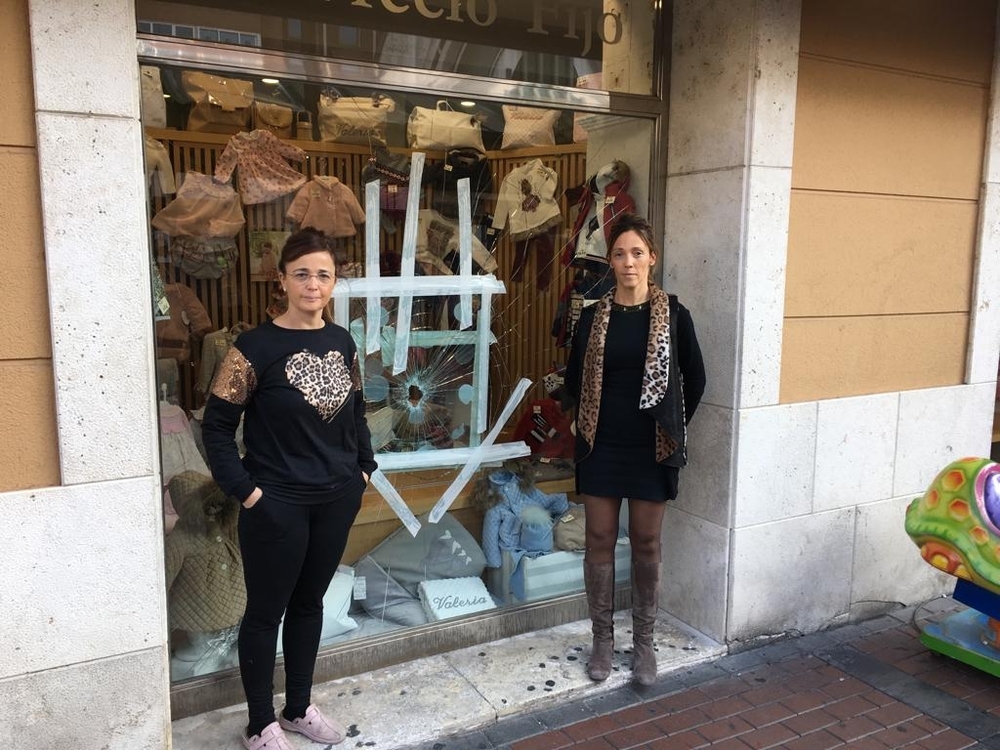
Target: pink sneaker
[[315, 726], [270, 738]]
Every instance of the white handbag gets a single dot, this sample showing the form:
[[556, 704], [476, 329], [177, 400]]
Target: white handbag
[[442, 129], [153, 106], [361, 120]]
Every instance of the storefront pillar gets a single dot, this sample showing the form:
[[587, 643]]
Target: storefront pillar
[[790, 515], [84, 660], [732, 106]]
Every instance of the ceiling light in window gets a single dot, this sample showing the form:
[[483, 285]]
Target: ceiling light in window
[[271, 81], [468, 104], [166, 96]]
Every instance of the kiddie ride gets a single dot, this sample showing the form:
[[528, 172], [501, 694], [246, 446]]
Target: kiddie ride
[[956, 525]]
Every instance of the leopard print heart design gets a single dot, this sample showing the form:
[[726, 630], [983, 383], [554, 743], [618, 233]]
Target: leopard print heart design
[[325, 382]]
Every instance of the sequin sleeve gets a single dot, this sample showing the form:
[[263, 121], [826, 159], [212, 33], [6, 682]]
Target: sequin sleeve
[[236, 379], [355, 373], [233, 387]]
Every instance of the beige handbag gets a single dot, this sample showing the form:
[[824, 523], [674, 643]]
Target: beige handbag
[[442, 129], [528, 126], [274, 117], [361, 120], [219, 105], [570, 531]]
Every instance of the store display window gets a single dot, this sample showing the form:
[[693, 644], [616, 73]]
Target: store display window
[[469, 233]]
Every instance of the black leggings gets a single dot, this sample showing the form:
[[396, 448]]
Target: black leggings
[[290, 553]]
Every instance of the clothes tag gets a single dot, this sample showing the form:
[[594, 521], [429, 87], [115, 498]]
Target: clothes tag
[[392, 188], [609, 200], [448, 168], [360, 588], [566, 518]]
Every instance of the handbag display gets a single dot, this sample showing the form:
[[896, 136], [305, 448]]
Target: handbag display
[[219, 105], [443, 128], [304, 125], [152, 104], [274, 117], [570, 531], [360, 120], [528, 126]]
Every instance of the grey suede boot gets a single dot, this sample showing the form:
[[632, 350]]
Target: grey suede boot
[[645, 601], [599, 579]]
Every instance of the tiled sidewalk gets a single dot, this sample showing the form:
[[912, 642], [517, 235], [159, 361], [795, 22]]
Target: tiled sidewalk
[[868, 686]]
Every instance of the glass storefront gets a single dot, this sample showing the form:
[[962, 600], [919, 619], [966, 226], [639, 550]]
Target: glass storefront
[[468, 188]]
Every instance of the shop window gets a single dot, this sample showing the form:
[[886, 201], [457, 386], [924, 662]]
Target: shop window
[[484, 298]]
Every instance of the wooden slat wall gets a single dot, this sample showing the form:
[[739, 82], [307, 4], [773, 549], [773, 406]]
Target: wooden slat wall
[[522, 318]]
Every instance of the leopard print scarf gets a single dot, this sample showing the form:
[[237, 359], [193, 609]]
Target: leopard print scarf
[[655, 374]]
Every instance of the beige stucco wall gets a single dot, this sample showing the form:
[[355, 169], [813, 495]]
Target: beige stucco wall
[[890, 129], [27, 400]]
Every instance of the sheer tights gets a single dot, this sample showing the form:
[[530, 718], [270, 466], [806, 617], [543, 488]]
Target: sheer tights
[[644, 524]]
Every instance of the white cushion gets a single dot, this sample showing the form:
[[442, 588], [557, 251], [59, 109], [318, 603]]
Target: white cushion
[[452, 597]]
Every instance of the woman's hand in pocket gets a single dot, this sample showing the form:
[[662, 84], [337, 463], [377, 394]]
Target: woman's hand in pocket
[[254, 497]]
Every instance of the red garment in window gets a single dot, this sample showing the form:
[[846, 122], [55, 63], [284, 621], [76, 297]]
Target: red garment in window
[[545, 428]]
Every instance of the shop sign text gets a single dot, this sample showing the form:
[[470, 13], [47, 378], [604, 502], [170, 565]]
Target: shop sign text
[[573, 22]]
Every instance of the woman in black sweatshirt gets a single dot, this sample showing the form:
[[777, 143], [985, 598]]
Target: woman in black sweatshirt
[[295, 381]]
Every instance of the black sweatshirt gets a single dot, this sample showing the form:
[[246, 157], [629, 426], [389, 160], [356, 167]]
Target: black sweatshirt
[[299, 392]]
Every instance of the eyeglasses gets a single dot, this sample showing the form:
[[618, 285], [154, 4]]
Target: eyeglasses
[[302, 277]]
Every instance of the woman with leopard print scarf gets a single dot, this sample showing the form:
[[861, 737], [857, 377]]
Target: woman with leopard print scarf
[[636, 373], [295, 381]]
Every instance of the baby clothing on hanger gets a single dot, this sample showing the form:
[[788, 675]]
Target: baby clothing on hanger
[[202, 220], [437, 238], [604, 196], [214, 348], [177, 445], [443, 177], [545, 250], [264, 174], [526, 204], [158, 165], [204, 567], [202, 208], [327, 204], [188, 320]]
